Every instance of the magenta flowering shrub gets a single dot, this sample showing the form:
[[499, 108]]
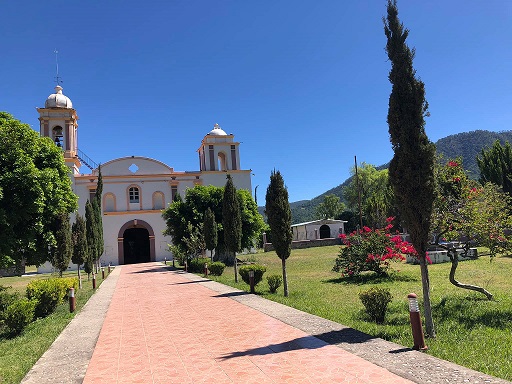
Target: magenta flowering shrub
[[371, 250]]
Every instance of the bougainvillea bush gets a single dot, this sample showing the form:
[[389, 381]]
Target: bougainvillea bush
[[371, 250]]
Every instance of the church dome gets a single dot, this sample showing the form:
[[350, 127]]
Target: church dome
[[58, 100], [217, 131]]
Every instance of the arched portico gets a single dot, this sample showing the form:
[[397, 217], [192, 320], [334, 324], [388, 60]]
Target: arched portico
[[136, 242]]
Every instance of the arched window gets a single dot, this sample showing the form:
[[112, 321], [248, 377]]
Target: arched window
[[57, 136], [223, 166], [158, 200], [325, 232], [134, 195], [109, 202]]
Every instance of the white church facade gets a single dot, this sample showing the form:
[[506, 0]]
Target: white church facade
[[137, 189]]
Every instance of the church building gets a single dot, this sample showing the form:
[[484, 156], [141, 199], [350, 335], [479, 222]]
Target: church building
[[136, 189]]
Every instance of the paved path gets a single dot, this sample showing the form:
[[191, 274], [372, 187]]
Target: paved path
[[165, 326]]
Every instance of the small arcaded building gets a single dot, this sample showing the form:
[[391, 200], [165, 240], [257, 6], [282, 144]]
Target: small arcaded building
[[135, 188], [318, 229]]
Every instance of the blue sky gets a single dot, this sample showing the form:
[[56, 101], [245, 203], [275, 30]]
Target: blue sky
[[302, 84]]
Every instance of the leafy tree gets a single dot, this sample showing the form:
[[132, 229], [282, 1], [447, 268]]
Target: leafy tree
[[279, 217], [495, 166], [210, 230], [377, 198], [465, 212], [411, 171], [191, 209], [91, 231], [79, 241], [35, 189], [63, 248], [232, 221], [195, 240], [330, 208]]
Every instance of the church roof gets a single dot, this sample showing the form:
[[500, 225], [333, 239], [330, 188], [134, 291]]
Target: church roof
[[58, 100]]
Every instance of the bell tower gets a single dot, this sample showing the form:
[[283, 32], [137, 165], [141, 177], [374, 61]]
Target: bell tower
[[59, 121]]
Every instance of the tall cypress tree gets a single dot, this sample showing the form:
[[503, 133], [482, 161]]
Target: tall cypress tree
[[210, 230], [411, 171], [62, 251], [79, 240], [90, 227], [99, 214], [279, 216], [232, 221]]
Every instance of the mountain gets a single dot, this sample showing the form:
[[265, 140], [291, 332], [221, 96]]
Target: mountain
[[468, 145]]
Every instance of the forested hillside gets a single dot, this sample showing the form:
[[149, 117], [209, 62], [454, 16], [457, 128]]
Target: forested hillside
[[467, 144]]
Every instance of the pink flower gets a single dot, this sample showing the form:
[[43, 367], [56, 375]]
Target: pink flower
[[343, 236], [453, 164], [389, 226], [367, 229], [390, 219]]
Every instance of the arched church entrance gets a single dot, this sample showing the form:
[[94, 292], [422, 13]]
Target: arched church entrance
[[136, 243], [325, 232]]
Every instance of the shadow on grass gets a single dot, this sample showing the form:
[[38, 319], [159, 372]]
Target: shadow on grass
[[370, 278], [473, 311], [346, 335]]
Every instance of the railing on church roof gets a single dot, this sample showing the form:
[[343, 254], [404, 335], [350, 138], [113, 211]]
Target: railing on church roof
[[86, 160]]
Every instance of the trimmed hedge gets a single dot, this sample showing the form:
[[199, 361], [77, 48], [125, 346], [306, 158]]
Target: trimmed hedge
[[216, 268], [259, 270], [197, 265], [18, 315], [375, 301], [274, 282], [48, 293]]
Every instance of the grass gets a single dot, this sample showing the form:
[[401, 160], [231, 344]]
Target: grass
[[471, 331], [19, 354]]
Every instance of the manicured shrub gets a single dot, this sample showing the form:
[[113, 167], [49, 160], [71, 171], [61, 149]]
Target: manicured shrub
[[6, 298], [274, 282], [375, 301], [197, 265], [371, 250], [49, 293], [18, 315], [216, 268], [259, 270]]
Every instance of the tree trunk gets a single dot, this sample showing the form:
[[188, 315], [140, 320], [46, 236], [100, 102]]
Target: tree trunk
[[79, 277], [285, 279], [425, 282], [455, 263], [236, 269]]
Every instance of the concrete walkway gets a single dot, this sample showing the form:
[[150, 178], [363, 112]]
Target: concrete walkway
[[166, 326]]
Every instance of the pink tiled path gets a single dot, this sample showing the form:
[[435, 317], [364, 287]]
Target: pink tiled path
[[164, 328]]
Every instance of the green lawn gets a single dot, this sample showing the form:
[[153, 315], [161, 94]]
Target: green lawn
[[19, 354], [471, 331]]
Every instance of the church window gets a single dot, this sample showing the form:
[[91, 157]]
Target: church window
[[92, 194], [109, 202], [133, 194], [158, 201]]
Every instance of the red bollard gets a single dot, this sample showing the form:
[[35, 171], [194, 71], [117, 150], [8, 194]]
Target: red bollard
[[93, 281], [185, 266], [103, 273], [72, 300], [417, 329], [165, 260], [108, 269], [205, 269], [251, 281]]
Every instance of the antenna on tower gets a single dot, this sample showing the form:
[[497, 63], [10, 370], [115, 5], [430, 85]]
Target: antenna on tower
[[58, 79]]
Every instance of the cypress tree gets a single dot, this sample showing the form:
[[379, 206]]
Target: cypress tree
[[279, 217], [411, 171], [232, 221], [62, 251], [210, 230], [90, 228], [79, 240]]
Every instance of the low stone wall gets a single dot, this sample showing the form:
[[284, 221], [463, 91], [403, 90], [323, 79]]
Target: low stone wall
[[300, 244], [442, 256]]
